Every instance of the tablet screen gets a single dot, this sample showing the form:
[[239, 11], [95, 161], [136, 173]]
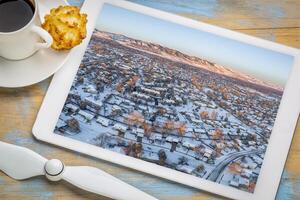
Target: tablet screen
[[178, 97]]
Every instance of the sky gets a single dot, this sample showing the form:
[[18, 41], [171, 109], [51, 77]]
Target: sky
[[260, 63]]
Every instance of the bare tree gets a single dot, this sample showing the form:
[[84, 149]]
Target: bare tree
[[135, 118], [162, 157], [204, 115], [218, 134], [73, 124], [182, 129], [137, 150], [235, 168], [169, 126], [200, 168], [182, 160], [214, 115], [147, 129]]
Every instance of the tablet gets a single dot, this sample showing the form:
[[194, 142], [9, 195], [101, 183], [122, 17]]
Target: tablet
[[179, 99]]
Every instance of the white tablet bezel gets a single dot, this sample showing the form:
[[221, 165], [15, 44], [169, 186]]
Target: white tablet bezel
[[279, 143]]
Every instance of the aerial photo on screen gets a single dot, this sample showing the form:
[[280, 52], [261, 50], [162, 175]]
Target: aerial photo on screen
[[141, 98]]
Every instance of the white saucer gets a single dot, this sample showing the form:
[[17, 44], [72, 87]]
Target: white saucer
[[38, 67]]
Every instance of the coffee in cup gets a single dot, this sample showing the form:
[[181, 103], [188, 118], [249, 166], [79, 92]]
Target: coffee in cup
[[20, 31], [15, 14]]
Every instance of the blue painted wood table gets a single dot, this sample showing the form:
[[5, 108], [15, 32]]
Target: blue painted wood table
[[269, 19]]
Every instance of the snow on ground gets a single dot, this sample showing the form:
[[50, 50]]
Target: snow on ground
[[188, 119]]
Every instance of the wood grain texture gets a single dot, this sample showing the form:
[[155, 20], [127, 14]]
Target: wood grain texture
[[273, 20]]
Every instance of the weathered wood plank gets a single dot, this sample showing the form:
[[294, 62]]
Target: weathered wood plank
[[269, 19]]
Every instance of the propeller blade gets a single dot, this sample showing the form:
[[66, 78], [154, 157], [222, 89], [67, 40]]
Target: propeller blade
[[100, 182], [20, 163]]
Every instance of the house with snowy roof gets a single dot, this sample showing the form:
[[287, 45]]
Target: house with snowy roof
[[234, 183], [244, 182], [72, 107], [141, 96], [251, 143], [200, 130], [60, 124], [207, 153], [199, 103], [188, 144], [246, 173], [87, 116], [139, 134], [113, 132], [253, 165], [150, 91], [93, 104], [103, 121], [123, 67], [120, 127], [116, 108], [196, 121], [158, 138], [189, 129], [91, 89], [185, 168], [169, 101], [142, 107], [220, 145]]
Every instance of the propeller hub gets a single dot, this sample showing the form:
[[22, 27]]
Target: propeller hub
[[54, 169]]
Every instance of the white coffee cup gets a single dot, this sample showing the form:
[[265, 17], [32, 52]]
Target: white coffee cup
[[24, 42]]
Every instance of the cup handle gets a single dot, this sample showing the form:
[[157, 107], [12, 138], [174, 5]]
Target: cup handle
[[44, 35]]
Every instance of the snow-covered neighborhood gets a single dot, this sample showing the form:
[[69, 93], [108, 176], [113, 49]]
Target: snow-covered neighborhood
[[159, 105]]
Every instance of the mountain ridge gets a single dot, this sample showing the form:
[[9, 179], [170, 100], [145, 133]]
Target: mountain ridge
[[176, 55]]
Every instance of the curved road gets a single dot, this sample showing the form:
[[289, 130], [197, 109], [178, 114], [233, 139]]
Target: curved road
[[216, 172]]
